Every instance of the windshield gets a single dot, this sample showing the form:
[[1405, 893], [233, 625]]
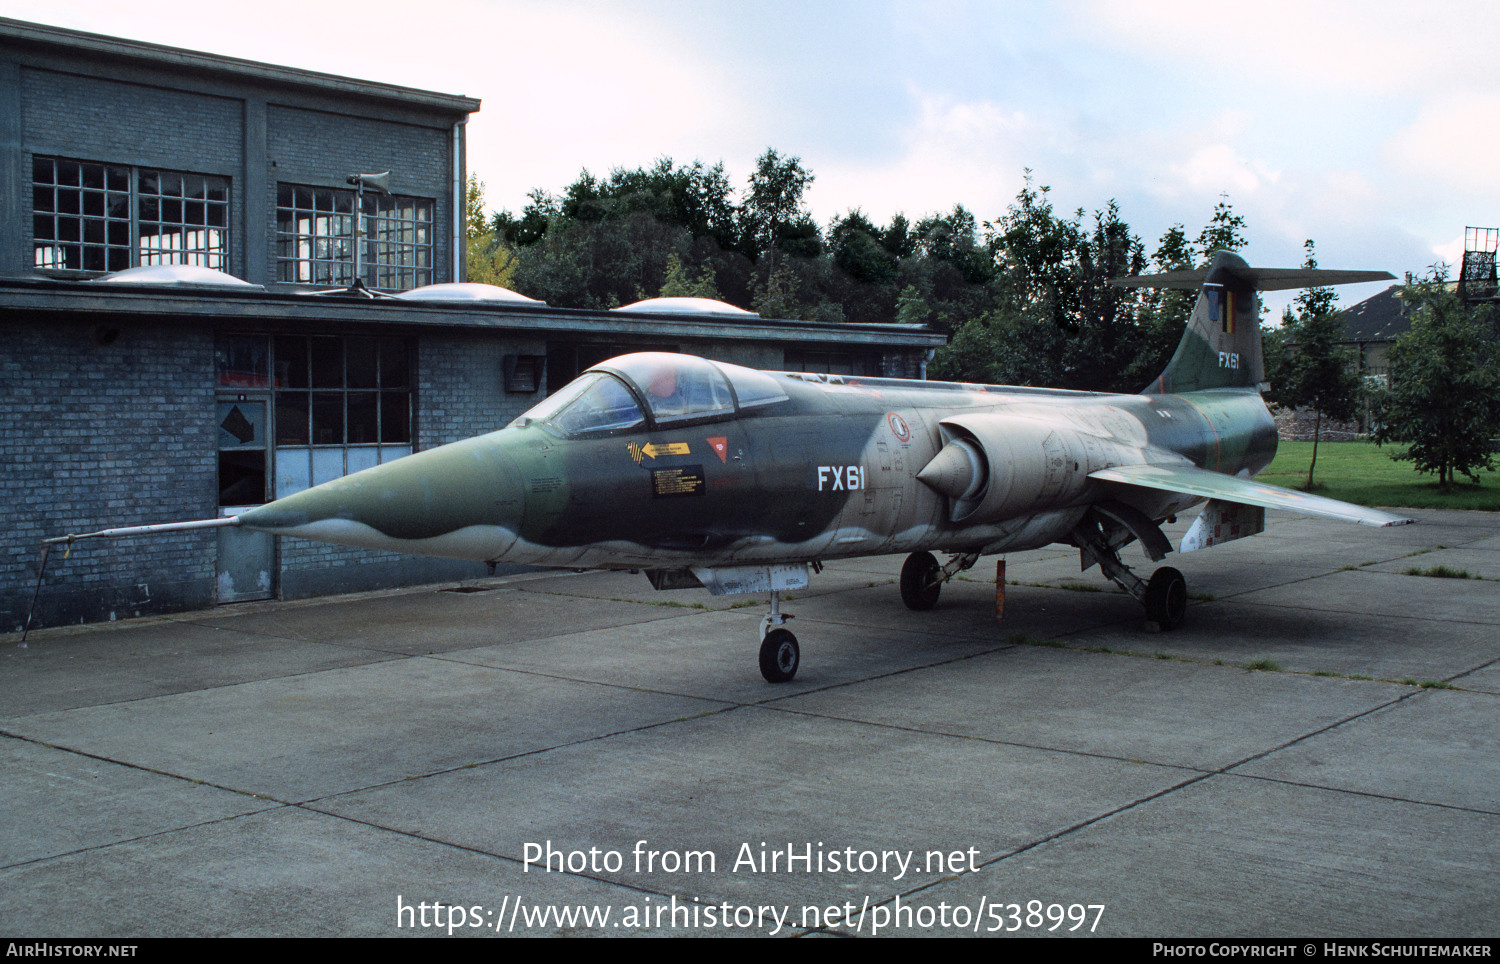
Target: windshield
[[593, 402]]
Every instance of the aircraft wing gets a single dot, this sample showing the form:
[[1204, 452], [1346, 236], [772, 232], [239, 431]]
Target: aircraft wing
[[1230, 488]]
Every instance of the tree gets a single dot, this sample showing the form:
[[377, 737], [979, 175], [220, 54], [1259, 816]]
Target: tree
[[1164, 311], [474, 219], [1225, 232], [487, 259], [680, 285], [1444, 397], [772, 214], [1312, 369]]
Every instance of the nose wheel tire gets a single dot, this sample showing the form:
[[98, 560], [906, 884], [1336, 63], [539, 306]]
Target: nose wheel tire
[[1166, 598], [779, 656], [921, 581]]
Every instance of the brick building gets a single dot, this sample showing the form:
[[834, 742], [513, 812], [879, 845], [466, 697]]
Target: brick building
[[183, 338]]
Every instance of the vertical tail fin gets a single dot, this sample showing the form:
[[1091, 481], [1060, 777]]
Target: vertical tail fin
[[1221, 346]]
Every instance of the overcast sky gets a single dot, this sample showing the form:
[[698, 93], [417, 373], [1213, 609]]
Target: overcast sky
[[1368, 127]]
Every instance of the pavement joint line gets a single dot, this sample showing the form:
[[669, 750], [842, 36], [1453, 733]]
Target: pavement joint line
[[272, 803], [482, 852], [519, 755], [262, 606], [1102, 624], [1321, 730], [1164, 656], [769, 701], [1364, 793], [993, 741], [1475, 669], [628, 687], [1053, 836], [145, 836], [1191, 781], [202, 688], [1366, 612]]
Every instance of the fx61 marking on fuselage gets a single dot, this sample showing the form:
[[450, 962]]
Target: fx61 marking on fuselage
[[840, 478]]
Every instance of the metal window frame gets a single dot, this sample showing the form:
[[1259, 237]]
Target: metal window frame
[[273, 391], [211, 256], [399, 243]]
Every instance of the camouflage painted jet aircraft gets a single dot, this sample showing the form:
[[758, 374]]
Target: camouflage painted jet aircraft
[[705, 473]]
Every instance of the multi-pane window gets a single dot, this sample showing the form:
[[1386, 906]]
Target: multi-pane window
[[338, 404], [89, 216], [315, 238]]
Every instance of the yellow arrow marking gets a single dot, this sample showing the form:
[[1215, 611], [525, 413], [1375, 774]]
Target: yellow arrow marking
[[666, 448]]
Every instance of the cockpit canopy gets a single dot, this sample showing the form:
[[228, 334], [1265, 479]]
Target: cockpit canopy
[[667, 389]]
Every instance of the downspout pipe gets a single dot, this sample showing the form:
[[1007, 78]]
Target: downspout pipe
[[460, 205]]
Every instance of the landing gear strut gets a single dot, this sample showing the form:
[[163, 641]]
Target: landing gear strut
[[779, 652], [922, 578], [1099, 538]]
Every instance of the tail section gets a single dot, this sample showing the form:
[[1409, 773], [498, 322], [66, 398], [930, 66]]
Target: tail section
[[1221, 346]]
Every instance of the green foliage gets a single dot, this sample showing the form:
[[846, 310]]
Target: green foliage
[[1224, 232], [488, 260], [1311, 368], [1164, 312], [773, 215], [1444, 397], [680, 285], [475, 223], [1024, 298], [1056, 320]]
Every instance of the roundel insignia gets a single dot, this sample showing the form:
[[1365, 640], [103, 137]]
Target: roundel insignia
[[898, 427]]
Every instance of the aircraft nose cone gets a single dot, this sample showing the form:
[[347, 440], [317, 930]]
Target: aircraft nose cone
[[471, 485], [957, 471]]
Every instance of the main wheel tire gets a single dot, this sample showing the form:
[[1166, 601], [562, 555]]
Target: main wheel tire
[[1166, 598], [919, 581], [779, 656]]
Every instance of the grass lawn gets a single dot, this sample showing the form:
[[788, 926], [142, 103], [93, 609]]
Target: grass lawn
[[1359, 472]]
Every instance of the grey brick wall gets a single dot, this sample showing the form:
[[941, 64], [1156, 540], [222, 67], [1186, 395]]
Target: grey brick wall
[[100, 436], [106, 120], [461, 387]]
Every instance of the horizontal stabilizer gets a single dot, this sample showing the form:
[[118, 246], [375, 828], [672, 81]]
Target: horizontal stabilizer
[[1261, 279], [1229, 488]]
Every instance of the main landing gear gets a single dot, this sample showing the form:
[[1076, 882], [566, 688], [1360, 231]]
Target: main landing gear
[[1100, 536], [922, 578]]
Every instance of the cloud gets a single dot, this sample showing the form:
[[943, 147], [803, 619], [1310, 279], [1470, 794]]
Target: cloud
[[1220, 166], [953, 151], [1369, 46], [1452, 142]]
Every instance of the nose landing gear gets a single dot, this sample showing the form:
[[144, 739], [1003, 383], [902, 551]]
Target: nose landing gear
[[779, 653]]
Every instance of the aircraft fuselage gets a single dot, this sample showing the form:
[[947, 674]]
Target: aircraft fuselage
[[828, 472]]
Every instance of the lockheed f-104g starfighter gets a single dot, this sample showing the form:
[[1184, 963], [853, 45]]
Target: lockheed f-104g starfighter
[[705, 473]]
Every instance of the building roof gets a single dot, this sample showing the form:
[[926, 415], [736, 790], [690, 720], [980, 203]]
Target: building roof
[[32, 35], [1380, 317], [29, 298]]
